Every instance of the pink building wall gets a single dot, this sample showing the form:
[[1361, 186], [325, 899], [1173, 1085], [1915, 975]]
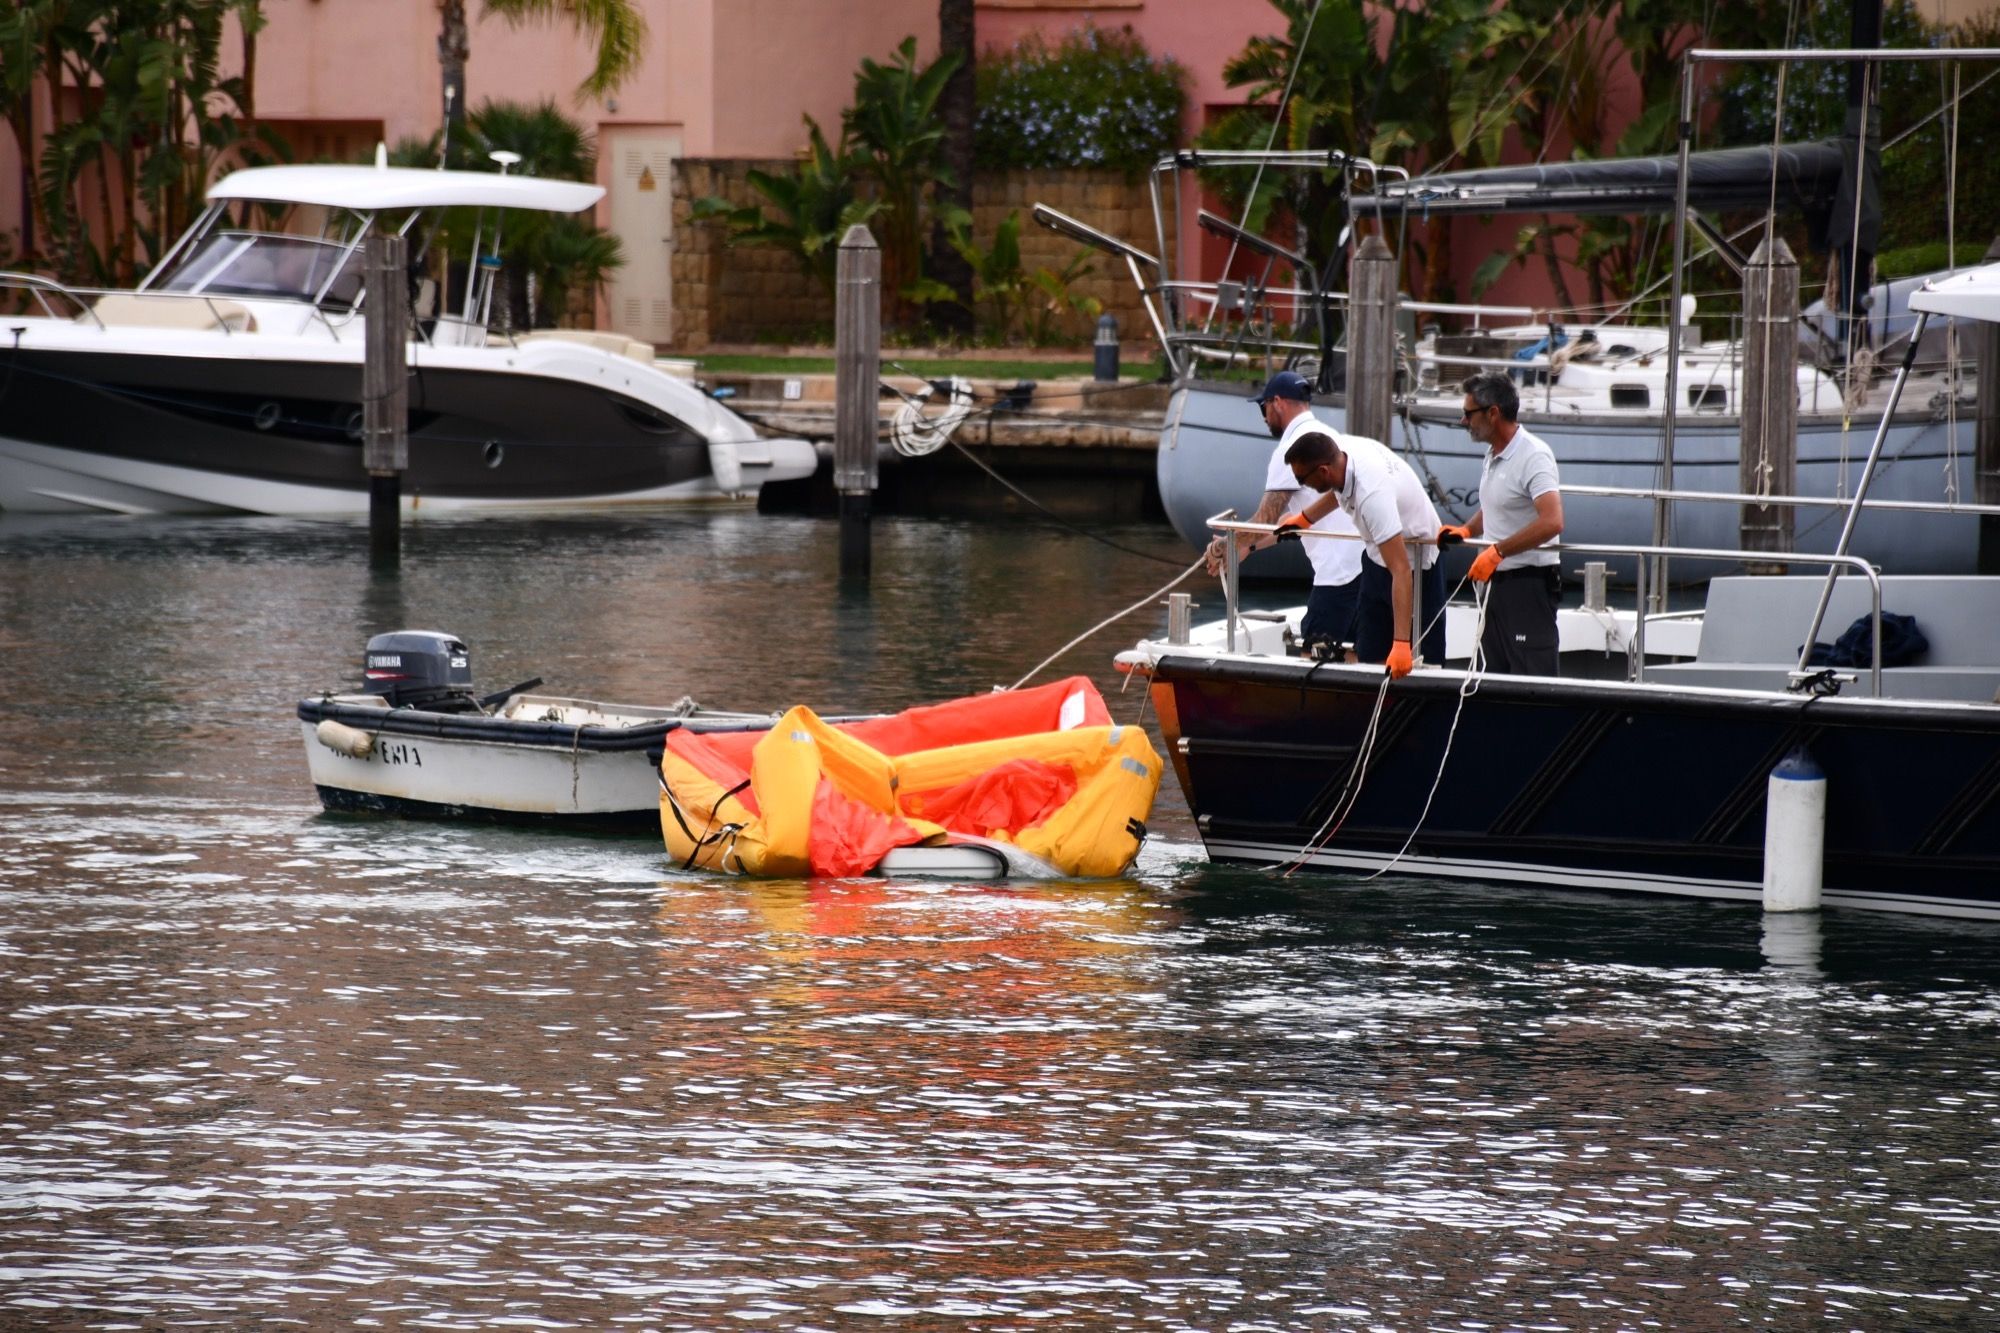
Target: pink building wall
[[729, 78]]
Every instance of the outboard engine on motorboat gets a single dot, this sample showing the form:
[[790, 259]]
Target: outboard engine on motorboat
[[420, 669]]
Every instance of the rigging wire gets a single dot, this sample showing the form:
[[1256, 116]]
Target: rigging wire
[[1765, 469], [1951, 263], [1277, 120]]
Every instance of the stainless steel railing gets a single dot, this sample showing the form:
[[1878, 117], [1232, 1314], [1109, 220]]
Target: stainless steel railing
[[1226, 524]]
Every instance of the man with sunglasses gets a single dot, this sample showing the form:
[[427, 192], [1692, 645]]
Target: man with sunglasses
[[1393, 513], [1520, 510]]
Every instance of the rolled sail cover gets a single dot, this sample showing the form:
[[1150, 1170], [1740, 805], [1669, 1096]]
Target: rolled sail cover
[[1045, 769]]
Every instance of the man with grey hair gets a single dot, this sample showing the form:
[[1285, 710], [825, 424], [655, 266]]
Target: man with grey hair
[[1520, 510]]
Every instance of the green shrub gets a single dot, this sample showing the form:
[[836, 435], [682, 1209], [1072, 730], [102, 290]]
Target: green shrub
[[1097, 100]]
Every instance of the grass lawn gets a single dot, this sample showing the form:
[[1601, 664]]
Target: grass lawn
[[971, 367]]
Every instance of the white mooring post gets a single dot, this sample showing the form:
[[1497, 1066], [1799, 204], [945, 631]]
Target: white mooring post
[[1794, 834]]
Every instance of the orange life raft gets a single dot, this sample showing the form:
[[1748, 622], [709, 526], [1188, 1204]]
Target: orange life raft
[[1044, 769]]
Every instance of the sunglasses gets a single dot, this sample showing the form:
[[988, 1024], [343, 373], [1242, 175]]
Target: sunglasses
[[1464, 417]]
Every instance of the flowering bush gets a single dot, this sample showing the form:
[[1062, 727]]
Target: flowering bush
[[1097, 100]]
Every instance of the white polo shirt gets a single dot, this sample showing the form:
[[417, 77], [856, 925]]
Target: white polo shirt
[[1509, 484], [1334, 562], [1384, 496]]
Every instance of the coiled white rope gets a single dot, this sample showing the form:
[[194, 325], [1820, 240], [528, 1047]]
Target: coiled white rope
[[914, 435]]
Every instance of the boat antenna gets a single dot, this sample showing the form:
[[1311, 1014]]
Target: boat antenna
[[444, 135], [506, 159]]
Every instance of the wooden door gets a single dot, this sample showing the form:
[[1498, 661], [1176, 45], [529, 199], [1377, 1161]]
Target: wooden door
[[642, 215]]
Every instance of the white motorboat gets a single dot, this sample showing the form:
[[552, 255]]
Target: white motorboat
[[229, 380], [416, 741]]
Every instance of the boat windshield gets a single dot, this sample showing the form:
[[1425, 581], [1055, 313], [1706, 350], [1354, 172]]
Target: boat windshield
[[259, 264]]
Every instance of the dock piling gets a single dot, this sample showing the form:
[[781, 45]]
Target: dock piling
[[1768, 462], [1371, 341], [857, 351], [385, 445]]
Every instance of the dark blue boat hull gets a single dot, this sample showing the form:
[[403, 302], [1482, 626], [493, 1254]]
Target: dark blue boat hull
[[1582, 783]]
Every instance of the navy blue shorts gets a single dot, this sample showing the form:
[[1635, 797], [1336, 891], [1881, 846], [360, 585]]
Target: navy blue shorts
[[1330, 612], [1375, 617]]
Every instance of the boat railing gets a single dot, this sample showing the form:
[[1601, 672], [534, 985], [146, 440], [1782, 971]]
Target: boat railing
[[226, 311], [40, 289], [1789, 501], [1227, 525]]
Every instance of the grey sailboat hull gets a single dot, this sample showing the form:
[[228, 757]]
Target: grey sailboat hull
[[1214, 450]]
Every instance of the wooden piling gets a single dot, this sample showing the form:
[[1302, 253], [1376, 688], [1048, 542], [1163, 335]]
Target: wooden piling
[[857, 352], [1371, 341], [1768, 460], [1984, 338], [385, 445]]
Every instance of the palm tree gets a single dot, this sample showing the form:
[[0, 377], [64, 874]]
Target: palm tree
[[957, 107], [616, 25]]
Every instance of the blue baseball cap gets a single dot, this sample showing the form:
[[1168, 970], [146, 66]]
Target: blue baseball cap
[[1285, 384]]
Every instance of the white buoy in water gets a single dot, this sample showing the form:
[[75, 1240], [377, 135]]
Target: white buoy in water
[[1794, 834]]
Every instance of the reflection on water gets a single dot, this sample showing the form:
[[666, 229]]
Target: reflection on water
[[262, 1066]]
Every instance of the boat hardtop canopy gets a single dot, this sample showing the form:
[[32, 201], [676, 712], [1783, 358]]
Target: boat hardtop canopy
[[375, 189], [1974, 294]]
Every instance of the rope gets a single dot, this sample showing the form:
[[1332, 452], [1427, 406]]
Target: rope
[[1057, 519], [914, 435], [1475, 672], [1344, 804], [1356, 776], [1150, 597]]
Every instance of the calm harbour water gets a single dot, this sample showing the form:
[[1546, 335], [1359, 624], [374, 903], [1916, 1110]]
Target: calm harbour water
[[263, 1067]]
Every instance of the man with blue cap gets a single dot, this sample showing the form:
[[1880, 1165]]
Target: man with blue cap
[[1286, 405]]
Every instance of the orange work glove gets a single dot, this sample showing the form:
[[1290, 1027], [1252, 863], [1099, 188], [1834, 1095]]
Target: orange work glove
[[1451, 534], [1483, 566], [1401, 663], [1290, 526]]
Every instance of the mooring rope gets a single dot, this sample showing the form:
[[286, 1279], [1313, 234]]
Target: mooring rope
[[1351, 793], [1149, 598]]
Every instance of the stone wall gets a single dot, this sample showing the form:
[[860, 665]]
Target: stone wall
[[746, 294]]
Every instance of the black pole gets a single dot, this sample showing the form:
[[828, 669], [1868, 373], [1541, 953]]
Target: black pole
[[385, 517], [1860, 198]]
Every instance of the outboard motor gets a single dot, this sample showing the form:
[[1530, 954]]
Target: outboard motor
[[420, 669]]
